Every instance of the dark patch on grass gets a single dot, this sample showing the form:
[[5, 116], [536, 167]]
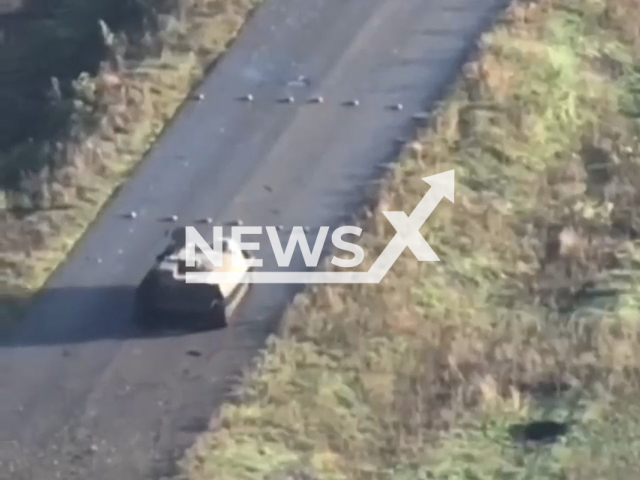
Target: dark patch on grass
[[541, 431]]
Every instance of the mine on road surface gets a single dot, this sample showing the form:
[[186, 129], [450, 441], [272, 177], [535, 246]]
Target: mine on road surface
[[87, 396]]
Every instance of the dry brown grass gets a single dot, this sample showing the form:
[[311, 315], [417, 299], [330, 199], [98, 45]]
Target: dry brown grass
[[532, 313], [132, 102]]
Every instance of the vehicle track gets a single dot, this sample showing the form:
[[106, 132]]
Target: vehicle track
[[84, 395]]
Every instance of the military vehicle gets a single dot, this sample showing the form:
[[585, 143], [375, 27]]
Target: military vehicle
[[164, 299]]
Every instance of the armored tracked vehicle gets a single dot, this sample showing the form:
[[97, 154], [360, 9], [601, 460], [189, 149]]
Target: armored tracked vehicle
[[164, 299]]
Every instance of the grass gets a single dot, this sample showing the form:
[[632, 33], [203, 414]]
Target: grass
[[441, 370], [41, 222]]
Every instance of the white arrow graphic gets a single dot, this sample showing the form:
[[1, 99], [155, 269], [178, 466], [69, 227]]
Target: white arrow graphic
[[407, 235], [408, 228]]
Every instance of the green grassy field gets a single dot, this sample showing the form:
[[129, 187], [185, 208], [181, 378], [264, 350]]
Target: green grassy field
[[532, 314], [132, 106]]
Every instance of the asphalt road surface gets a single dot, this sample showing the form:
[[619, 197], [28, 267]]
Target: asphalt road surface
[[87, 396]]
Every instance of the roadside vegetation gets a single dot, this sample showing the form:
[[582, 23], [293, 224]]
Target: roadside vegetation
[[92, 129], [516, 356]]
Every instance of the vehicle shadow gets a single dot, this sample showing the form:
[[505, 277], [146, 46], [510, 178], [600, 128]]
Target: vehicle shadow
[[106, 313]]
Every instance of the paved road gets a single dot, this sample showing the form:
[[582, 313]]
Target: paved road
[[84, 395]]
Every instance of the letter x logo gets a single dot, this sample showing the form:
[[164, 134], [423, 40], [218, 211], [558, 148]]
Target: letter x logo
[[408, 227]]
